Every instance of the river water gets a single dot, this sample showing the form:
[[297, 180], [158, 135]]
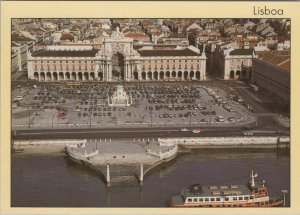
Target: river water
[[40, 180]]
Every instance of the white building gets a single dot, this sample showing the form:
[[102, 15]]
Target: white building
[[116, 59]]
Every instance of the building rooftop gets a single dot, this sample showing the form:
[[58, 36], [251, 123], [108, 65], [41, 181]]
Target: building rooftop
[[241, 52], [281, 59], [64, 53], [182, 52]]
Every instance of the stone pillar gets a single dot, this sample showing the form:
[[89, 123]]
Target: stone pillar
[[203, 70], [109, 71], [125, 71], [107, 176], [142, 174]]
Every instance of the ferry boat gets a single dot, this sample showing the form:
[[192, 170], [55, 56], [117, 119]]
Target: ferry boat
[[254, 194]]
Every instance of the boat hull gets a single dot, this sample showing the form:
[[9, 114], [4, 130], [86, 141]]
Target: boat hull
[[276, 203]]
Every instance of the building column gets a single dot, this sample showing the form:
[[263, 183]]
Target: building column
[[125, 71], [109, 72], [203, 70]]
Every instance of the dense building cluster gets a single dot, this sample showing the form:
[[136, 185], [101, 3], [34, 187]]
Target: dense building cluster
[[110, 50]]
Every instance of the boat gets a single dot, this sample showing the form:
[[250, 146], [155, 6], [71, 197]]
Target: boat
[[253, 194]]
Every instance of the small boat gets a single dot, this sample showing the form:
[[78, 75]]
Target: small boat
[[254, 194]]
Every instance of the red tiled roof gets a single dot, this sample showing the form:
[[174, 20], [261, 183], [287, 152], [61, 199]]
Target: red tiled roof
[[278, 58], [135, 35], [67, 37]]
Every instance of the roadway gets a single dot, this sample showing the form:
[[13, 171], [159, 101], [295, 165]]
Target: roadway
[[112, 133]]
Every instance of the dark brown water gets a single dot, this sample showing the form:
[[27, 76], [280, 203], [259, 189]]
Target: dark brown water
[[55, 181]]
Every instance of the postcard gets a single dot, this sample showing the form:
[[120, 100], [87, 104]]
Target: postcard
[[136, 107]]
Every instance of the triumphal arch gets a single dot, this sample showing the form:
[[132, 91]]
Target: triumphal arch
[[117, 58]]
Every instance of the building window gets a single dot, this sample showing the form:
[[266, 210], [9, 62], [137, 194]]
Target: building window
[[217, 199], [200, 199], [206, 199], [189, 199], [35, 67], [240, 198], [195, 199]]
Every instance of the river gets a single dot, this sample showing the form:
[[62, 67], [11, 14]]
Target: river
[[52, 180]]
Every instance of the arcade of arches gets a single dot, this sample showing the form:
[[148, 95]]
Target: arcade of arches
[[116, 60]]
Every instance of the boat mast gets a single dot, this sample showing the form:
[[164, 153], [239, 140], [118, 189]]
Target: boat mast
[[252, 175]]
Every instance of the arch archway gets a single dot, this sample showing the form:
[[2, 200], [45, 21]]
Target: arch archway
[[185, 75], [179, 74], [155, 75], [68, 76], [85, 76], [149, 74], [198, 75], [92, 76], [36, 76], [143, 75], [192, 74], [55, 76], [174, 74], [73, 76], [231, 74], [161, 75], [61, 76], [42, 76], [48, 76], [80, 76], [117, 63], [168, 74], [100, 76], [136, 76]]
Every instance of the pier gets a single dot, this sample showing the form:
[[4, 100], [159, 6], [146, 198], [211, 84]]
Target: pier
[[126, 162]]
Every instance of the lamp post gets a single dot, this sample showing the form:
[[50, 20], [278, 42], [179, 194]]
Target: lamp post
[[28, 117], [52, 127], [284, 193]]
